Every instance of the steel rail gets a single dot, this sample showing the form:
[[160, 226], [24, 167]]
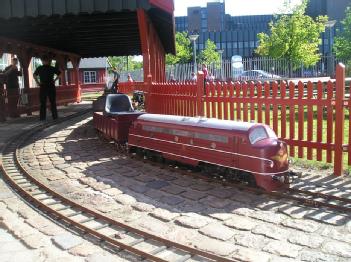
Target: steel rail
[[13, 170]]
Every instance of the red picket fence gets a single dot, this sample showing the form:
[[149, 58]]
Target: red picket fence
[[310, 117], [129, 87]]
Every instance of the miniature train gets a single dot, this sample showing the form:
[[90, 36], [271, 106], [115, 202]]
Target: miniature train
[[249, 151]]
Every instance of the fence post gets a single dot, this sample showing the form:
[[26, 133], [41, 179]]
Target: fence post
[[200, 93], [148, 94], [2, 103], [339, 119]]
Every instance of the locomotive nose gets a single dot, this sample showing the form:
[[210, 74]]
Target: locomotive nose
[[280, 157]]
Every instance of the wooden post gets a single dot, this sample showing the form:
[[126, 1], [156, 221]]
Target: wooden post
[[75, 63], [148, 100], [339, 119], [200, 93], [24, 59], [2, 96]]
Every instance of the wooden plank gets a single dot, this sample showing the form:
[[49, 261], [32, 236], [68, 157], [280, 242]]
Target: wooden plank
[[267, 103], [231, 104], [208, 104], [252, 104], [319, 119], [283, 110], [292, 117], [259, 104], [330, 120], [219, 100], [301, 120], [225, 101], [238, 103], [245, 106], [213, 104], [275, 106], [309, 119]]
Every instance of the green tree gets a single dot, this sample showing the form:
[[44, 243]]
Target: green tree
[[209, 55], [342, 45], [183, 49], [124, 63], [295, 37]]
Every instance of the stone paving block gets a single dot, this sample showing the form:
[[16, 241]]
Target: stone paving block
[[85, 249], [282, 249], [157, 184], [247, 239], [316, 256], [240, 210], [328, 217], [184, 182], [337, 248], [306, 240], [296, 212], [153, 225], [172, 200], [143, 207], [66, 241], [173, 189], [268, 216], [36, 241], [144, 178], [125, 199], [155, 194], [303, 225], [112, 192], [192, 222], [202, 186], [37, 221], [164, 214], [241, 223], [11, 246], [219, 215], [193, 195], [215, 202], [270, 231], [51, 230], [218, 231], [215, 246], [333, 233], [249, 255], [103, 256], [221, 192], [139, 188], [25, 256]]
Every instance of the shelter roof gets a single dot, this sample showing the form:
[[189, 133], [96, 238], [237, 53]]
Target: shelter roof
[[89, 28]]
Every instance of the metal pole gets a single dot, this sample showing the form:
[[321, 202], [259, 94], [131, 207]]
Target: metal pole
[[194, 58]]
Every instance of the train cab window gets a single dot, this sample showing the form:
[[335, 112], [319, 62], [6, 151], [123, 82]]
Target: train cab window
[[258, 134]]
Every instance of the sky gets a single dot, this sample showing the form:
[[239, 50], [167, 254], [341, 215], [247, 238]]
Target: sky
[[236, 7]]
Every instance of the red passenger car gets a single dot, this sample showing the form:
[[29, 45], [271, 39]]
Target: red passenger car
[[238, 147]]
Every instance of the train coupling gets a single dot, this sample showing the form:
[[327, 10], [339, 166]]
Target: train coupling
[[287, 178]]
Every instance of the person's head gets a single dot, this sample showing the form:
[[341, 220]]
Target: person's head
[[129, 76], [203, 66], [192, 74], [14, 61], [45, 60]]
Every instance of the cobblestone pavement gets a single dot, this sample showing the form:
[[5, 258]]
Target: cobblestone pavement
[[223, 220], [27, 236]]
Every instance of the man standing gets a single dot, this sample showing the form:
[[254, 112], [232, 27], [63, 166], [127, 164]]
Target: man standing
[[44, 76], [11, 74]]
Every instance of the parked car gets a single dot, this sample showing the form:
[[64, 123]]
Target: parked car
[[257, 75]]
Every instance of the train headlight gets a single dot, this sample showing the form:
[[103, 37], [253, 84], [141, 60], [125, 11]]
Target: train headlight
[[271, 165]]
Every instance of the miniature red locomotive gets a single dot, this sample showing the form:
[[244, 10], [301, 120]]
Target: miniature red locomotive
[[248, 150]]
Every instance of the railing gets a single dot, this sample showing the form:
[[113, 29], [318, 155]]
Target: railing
[[309, 117], [64, 95]]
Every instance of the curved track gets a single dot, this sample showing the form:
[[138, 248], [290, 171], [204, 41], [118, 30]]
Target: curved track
[[105, 229]]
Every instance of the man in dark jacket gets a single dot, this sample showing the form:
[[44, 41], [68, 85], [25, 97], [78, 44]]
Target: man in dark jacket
[[44, 75], [11, 74]]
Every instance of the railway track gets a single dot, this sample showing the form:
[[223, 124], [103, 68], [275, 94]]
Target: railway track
[[118, 236]]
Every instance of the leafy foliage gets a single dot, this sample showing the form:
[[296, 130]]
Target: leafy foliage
[[294, 36], [120, 63], [342, 45], [183, 49], [209, 55]]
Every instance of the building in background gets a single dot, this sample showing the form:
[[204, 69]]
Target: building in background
[[237, 35], [92, 73]]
